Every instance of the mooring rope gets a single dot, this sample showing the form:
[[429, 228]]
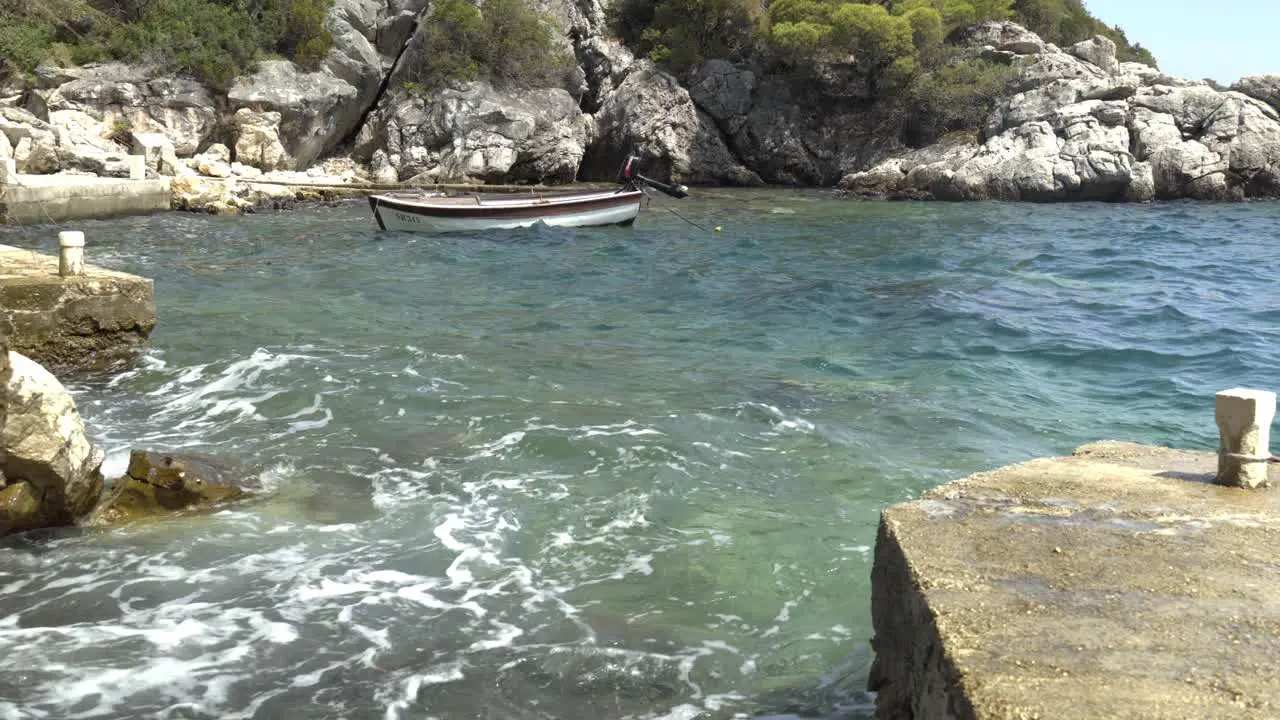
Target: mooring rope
[[673, 212]]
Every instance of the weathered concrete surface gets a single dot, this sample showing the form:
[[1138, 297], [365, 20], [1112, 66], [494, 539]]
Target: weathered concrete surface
[[38, 199], [1119, 582], [66, 323]]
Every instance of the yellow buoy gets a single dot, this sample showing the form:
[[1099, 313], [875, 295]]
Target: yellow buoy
[[717, 228]]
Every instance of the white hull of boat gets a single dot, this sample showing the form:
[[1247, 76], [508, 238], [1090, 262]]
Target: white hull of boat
[[422, 216]]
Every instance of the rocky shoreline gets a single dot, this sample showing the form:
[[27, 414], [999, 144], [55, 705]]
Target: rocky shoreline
[[1073, 124], [51, 474]]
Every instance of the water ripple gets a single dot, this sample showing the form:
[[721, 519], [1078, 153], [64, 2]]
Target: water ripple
[[596, 473]]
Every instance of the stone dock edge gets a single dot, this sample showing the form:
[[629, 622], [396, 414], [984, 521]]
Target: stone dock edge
[[1117, 582], [68, 323]]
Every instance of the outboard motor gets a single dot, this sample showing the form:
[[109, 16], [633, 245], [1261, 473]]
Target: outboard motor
[[631, 178]]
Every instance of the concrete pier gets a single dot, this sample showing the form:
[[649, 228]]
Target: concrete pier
[[39, 199], [1118, 582], [73, 321]]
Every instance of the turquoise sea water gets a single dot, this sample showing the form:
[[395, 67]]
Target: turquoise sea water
[[606, 473]]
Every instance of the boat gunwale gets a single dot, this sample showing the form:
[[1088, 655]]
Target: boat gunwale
[[564, 204]]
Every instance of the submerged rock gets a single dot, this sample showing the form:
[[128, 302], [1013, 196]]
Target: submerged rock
[[157, 486], [50, 470]]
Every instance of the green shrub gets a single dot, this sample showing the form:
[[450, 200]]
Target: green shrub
[[294, 28], [23, 44], [32, 32], [954, 95], [509, 43], [682, 33], [214, 40], [208, 40]]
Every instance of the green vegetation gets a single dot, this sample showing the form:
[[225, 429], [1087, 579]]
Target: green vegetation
[[214, 40], [884, 38], [508, 43], [683, 33], [952, 95], [894, 49]]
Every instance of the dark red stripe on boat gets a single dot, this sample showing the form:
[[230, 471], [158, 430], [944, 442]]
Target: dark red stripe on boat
[[551, 207]]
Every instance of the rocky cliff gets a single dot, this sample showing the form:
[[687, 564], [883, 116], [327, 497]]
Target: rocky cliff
[[1079, 125], [1074, 123]]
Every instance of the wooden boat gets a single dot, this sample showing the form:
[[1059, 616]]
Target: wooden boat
[[436, 213]]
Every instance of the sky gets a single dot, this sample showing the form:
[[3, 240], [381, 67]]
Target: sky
[[1220, 39]]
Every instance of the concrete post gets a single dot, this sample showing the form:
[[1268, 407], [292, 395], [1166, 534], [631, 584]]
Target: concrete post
[[137, 167], [1244, 436], [70, 253], [8, 170]]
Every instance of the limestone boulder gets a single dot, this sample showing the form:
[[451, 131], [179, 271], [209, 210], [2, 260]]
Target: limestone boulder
[[477, 132], [915, 171], [1147, 76], [258, 140], [354, 57], [1261, 87], [1142, 186], [139, 98], [1189, 170], [85, 144], [43, 445], [158, 486], [381, 170], [157, 150], [1151, 130], [1056, 66], [1032, 162], [196, 193], [1099, 51], [34, 141], [317, 108], [652, 116], [1237, 129], [1000, 36]]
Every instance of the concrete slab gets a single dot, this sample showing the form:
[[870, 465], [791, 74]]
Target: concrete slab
[[38, 199], [73, 322], [1119, 582]]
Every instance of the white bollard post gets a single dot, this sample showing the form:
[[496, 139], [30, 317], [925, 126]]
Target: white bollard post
[[70, 253], [8, 171], [1244, 436], [137, 167]]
